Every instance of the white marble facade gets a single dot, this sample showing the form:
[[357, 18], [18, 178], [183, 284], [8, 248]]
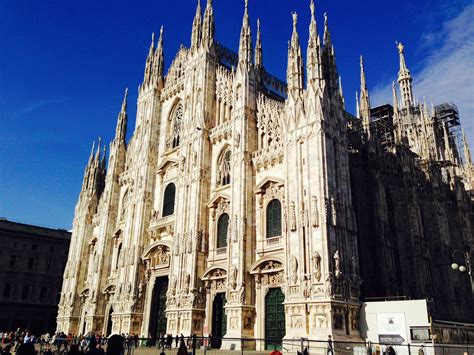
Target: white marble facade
[[233, 183]]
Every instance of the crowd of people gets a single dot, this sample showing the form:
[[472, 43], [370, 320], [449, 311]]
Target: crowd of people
[[22, 342]]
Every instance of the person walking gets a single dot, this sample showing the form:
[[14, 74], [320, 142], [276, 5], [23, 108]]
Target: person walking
[[330, 345], [421, 350]]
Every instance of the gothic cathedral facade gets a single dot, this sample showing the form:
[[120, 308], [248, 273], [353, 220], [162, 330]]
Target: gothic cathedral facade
[[229, 212]]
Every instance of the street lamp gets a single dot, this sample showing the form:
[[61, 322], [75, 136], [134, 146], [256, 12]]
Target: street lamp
[[465, 264]]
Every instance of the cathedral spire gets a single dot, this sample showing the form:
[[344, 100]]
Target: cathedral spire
[[258, 48], [341, 93], [87, 170], [467, 151], [357, 105], [395, 97], [159, 61], [295, 71], [404, 79], [208, 26], [327, 34], [364, 99], [313, 62], [149, 60], [197, 27], [329, 61], [447, 145], [245, 47], [121, 129]]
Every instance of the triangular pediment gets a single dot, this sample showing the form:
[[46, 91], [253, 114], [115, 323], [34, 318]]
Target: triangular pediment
[[263, 184], [218, 199], [165, 165]]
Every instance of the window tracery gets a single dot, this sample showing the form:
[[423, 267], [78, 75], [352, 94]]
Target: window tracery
[[224, 168], [175, 127]]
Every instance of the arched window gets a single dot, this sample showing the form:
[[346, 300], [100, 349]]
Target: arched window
[[175, 126], [274, 219], [223, 172], [222, 228], [168, 200]]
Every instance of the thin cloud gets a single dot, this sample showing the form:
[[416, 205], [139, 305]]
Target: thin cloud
[[35, 106], [447, 73]]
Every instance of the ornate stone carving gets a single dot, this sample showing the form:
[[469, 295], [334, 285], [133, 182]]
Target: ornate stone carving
[[333, 212], [329, 286], [316, 266], [190, 243], [337, 264], [292, 216], [233, 278]]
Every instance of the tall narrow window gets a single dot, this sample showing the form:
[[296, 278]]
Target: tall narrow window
[[274, 219], [25, 292], [222, 228], [7, 290], [13, 260], [223, 172], [175, 127], [168, 200], [119, 251]]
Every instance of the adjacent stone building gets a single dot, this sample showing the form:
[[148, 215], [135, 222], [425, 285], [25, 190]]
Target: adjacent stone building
[[234, 208], [32, 262]]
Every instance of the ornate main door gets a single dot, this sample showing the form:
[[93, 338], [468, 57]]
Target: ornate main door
[[158, 308], [219, 320], [274, 319]]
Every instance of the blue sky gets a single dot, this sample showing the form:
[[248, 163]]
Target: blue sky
[[64, 66]]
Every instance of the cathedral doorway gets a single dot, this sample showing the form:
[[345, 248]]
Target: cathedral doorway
[[219, 320], [109, 322], [158, 307], [274, 318]]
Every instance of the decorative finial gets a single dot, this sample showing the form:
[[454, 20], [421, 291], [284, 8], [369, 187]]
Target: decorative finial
[[246, 4], [153, 38], [161, 31], [326, 19], [311, 6], [295, 19], [361, 61], [258, 25], [400, 47], [126, 93]]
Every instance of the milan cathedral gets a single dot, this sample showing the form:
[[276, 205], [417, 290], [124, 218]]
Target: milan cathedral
[[247, 207]]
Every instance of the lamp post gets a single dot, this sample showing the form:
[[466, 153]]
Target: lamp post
[[465, 265]]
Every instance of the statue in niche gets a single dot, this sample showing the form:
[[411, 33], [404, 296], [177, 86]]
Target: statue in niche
[[140, 290], [292, 217], [354, 265], [233, 278], [237, 140], [317, 266], [333, 211], [173, 285], [242, 293], [293, 270], [187, 283], [329, 286], [337, 264], [190, 242]]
